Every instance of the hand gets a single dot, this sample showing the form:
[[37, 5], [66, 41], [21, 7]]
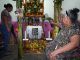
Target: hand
[[8, 29], [53, 55]]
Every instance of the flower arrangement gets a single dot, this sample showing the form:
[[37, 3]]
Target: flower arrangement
[[35, 46]]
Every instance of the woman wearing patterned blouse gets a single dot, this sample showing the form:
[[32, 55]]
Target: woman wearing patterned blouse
[[67, 40], [6, 24]]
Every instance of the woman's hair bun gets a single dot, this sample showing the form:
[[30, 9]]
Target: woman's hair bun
[[5, 5], [75, 10], [73, 14]]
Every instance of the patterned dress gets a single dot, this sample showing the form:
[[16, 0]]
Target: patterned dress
[[5, 32], [62, 39], [9, 18]]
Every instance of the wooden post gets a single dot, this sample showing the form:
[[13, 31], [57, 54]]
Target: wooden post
[[57, 10], [55, 18], [20, 47]]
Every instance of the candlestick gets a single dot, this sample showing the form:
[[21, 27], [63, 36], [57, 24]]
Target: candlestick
[[25, 35], [49, 34], [24, 1]]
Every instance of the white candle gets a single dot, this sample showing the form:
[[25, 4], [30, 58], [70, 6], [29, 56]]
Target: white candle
[[24, 1], [25, 35], [49, 34], [41, 1]]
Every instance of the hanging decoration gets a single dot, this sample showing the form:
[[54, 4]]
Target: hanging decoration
[[34, 7], [19, 3], [20, 48]]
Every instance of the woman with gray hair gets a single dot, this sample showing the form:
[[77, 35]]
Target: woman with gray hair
[[67, 40]]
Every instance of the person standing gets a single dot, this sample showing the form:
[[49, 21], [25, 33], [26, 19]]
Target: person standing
[[46, 28], [6, 24]]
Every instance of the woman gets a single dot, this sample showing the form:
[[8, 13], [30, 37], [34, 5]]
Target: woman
[[67, 41], [6, 24], [46, 28]]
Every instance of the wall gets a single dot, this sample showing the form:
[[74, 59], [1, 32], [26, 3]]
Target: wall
[[69, 4], [2, 2], [49, 8]]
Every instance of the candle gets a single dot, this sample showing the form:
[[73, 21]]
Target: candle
[[25, 35], [49, 34], [24, 1], [41, 1]]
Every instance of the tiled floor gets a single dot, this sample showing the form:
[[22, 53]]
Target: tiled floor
[[30, 56], [13, 55]]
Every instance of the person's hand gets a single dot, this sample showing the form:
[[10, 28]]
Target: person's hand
[[53, 55], [8, 29]]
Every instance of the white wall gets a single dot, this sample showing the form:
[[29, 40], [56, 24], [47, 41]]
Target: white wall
[[69, 4], [49, 8], [2, 2]]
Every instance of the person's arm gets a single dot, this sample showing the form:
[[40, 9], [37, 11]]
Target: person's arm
[[6, 22], [74, 42]]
